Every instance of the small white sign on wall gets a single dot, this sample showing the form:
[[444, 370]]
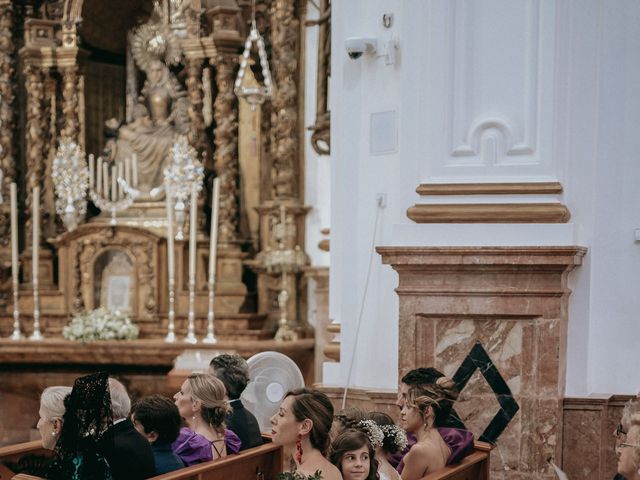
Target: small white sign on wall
[[383, 133]]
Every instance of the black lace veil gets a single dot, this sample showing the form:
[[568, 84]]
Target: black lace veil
[[87, 416]]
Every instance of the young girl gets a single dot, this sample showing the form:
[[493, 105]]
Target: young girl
[[354, 456], [395, 440]]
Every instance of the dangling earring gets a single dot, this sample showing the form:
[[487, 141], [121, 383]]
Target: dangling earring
[[299, 450], [53, 434]]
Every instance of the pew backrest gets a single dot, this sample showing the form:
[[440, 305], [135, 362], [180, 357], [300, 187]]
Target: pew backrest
[[474, 466], [259, 463]]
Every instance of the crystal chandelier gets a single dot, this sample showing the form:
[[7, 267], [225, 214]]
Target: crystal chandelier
[[184, 169], [254, 95], [70, 176]]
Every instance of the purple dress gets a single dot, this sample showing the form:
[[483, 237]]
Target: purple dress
[[193, 448], [459, 441]]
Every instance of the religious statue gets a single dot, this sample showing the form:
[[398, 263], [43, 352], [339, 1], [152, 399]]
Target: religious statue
[[159, 117], [161, 112]]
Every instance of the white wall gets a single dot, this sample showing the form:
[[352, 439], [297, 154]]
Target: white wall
[[499, 90]]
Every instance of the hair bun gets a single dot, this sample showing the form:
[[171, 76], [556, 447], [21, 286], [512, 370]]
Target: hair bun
[[448, 386]]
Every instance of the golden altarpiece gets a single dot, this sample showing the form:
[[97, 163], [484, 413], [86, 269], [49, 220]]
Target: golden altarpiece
[[126, 77]]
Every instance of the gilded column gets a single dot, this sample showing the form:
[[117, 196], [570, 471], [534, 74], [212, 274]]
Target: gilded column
[[35, 136], [7, 96], [284, 116], [194, 88], [226, 153], [70, 103]]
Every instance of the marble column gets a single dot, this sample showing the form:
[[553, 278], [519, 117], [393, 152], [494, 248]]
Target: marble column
[[513, 302]]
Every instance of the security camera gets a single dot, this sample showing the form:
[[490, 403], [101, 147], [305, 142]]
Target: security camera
[[356, 46]]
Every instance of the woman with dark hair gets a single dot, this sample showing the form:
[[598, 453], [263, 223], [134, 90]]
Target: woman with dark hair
[[202, 403], [354, 456], [302, 426], [87, 416], [424, 414], [394, 441]]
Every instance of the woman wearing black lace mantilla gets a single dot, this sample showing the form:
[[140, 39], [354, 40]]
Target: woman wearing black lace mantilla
[[87, 416]]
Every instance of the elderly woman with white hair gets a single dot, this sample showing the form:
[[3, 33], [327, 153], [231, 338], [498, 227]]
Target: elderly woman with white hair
[[51, 413]]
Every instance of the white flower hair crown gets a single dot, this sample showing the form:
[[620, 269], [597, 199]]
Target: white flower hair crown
[[396, 434], [373, 432]]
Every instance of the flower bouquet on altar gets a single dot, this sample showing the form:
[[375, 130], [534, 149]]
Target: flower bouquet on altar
[[100, 324]]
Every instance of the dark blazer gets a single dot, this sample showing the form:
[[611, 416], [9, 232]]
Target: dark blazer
[[244, 424], [166, 460], [129, 454]]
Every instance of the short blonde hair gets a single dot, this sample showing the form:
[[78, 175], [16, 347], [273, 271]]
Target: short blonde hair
[[210, 391], [52, 401]]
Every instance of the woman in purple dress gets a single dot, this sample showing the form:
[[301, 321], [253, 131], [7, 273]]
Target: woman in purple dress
[[202, 403]]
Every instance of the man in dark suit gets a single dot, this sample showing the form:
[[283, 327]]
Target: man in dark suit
[[233, 371], [129, 454]]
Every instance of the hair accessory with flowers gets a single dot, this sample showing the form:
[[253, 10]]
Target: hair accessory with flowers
[[397, 435], [373, 431]]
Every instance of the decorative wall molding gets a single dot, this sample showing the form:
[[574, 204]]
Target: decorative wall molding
[[518, 188], [489, 213]]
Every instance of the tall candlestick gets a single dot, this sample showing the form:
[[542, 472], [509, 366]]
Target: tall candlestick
[[105, 180], [191, 336], [17, 334], [114, 184], [35, 259], [99, 178], [92, 168], [171, 267], [127, 171], [213, 245], [120, 175], [134, 165]]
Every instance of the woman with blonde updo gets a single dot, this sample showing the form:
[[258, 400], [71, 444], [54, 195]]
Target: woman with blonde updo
[[424, 415], [628, 442], [202, 403]]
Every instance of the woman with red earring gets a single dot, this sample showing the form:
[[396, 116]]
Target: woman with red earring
[[302, 426]]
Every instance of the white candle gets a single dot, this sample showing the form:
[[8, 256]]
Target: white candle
[[105, 180], [120, 175], [92, 169], [213, 242], [14, 232], [99, 179], [135, 170], [35, 224], [192, 233], [170, 246], [127, 171], [114, 184]]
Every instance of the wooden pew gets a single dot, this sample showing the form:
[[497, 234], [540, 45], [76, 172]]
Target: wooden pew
[[260, 463], [474, 466]]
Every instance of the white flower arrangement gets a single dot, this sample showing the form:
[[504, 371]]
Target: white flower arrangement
[[397, 434], [100, 324], [373, 431]]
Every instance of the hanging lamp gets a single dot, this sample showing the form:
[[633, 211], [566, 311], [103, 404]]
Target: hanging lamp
[[254, 95]]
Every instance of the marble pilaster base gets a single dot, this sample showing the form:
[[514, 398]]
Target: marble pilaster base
[[513, 302]]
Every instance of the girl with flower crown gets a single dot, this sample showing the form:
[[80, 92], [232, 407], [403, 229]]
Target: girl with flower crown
[[394, 440], [302, 426], [352, 452]]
